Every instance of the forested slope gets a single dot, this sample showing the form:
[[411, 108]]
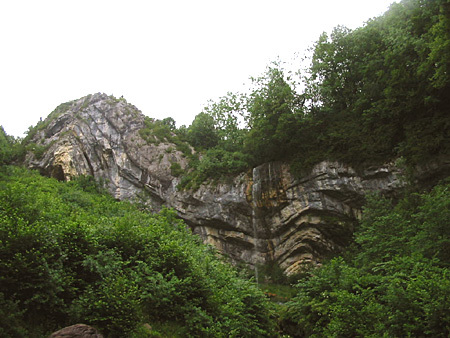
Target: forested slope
[[72, 254], [370, 95]]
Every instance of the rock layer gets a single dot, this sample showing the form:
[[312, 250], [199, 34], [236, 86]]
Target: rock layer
[[77, 331], [262, 215]]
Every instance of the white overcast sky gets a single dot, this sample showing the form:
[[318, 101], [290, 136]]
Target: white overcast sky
[[168, 58]]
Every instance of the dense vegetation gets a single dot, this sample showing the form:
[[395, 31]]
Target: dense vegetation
[[70, 254], [10, 148], [370, 95], [394, 283]]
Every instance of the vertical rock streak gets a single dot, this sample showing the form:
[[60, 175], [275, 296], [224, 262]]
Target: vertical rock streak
[[254, 207]]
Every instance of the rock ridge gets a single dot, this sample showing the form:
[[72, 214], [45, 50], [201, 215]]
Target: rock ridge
[[263, 215]]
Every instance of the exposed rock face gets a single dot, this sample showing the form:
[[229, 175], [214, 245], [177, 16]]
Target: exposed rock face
[[262, 215], [268, 215]]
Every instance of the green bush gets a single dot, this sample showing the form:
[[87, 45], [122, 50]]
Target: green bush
[[70, 254], [396, 283], [175, 169], [215, 164], [10, 148]]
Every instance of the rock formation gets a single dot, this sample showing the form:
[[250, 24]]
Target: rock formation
[[77, 331], [264, 215]]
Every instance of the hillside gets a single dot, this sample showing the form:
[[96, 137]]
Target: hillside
[[277, 176], [70, 253], [335, 177], [265, 215]]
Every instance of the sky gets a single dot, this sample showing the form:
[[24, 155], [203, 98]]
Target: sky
[[168, 58]]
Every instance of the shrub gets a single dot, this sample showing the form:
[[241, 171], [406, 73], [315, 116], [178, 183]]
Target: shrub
[[70, 253]]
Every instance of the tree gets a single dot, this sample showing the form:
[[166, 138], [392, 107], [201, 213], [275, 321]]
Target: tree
[[202, 132], [5, 147], [10, 148], [229, 114], [273, 115], [170, 122], [379, 90], [370, 95]]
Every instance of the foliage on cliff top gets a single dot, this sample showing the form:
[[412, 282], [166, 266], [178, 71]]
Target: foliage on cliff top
[[157, 131], [370, 95], [69, 254]]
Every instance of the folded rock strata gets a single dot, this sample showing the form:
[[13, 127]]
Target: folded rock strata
[[263, 215]]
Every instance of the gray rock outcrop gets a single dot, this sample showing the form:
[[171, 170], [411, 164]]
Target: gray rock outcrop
[[262, 215], [77, 331]]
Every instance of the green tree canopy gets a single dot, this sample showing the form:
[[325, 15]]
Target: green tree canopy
[[229, 114], [379, 90], [202, 132], [272, 117]]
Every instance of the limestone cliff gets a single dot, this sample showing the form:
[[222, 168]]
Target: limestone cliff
[[262, 215]]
